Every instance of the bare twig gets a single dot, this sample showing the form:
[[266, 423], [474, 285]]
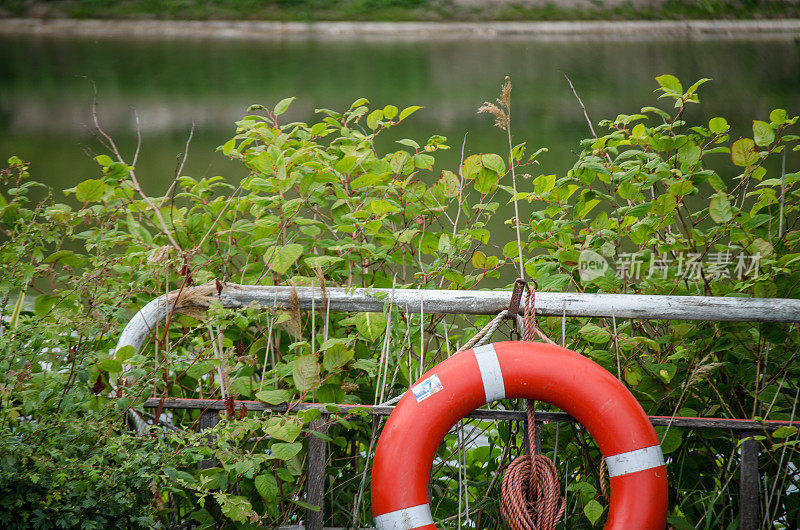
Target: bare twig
[[112, 146], [585, 114], [460, 183], [179, 169]]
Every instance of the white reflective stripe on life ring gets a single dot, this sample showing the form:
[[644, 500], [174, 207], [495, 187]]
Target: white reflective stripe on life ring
[[405, 519], [491, 375], [633, 461]]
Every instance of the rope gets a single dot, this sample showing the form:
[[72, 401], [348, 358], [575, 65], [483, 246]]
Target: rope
[[530, 498], [531, 329], [530, 492], [483, 336], [479, 339]]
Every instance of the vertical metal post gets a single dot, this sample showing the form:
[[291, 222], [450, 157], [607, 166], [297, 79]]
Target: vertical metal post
[[315, 486], [208, 419], [749, 512]]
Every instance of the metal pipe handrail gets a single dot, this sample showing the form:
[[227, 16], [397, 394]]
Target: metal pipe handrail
[[647, 307]]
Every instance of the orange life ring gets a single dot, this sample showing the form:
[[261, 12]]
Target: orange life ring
[[543, 372]]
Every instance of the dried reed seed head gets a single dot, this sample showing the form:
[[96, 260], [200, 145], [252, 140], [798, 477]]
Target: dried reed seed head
[[160, 256], [505, 93], [321, 280], [702, 370], [293, 326], [500, 117], [349, 387]]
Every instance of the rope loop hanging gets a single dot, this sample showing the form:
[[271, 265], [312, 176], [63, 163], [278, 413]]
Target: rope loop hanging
[[530, 491]]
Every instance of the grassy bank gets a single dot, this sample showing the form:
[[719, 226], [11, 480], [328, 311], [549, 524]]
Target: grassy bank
[[401, 9]]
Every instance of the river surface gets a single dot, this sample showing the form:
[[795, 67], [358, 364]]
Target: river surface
[[173, 84]]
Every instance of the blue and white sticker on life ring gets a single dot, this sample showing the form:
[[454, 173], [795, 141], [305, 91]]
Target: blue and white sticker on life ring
[[427, 387]]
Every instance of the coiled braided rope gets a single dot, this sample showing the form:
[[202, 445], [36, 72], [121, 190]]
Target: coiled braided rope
[[530, 492]]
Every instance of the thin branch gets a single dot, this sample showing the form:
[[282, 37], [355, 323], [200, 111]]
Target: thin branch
[[585, 114], [179, 169], [138, 138], [113, 148]]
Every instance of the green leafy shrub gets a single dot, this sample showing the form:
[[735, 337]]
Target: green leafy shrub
[[652, 206]]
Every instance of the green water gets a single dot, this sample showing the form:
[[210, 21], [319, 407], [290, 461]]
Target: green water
[[46, 92]]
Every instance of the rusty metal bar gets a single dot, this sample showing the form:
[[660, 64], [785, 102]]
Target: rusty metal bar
[[480, 414]]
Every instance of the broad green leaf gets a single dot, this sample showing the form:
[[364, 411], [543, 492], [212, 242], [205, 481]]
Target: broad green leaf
[[282, 105], [628, 191], [718, 125], [279, 259], [689, 154], [235, 507], [285, 451], [663, 205], [381, 206], [445, 246], [670, 84], [672, 440], [90, 190], [285, 428], [266, 486], [274, 397], [305, 373], [494, 162], [368, 179], [449, 184], [543, 184], [720, 208], [785, 431], [692, 89], [408, 142], [368, 365], [371, 325], [681, 188], [322, 261], [632, 375], [228, 147], [124, 353], [346, 164], [479, 260], [778, 116], [198, 370], [408, 112], [103, 160], [336, 357], [593, 510], [66, 258], [763, 133], [583, 209], [594, 333], [424, 161], [486, 181], [389, 111], [111, 366], [374, 118], [744, 152]]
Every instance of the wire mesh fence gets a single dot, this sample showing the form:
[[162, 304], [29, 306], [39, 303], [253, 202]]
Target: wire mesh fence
[[722, 472]]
